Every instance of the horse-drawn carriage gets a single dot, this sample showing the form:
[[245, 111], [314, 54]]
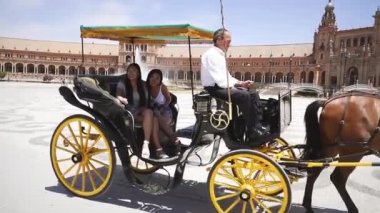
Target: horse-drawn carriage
[[242, 180]]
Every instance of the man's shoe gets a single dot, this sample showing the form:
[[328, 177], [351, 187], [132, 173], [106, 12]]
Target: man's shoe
[[257, 137], [261, 128]]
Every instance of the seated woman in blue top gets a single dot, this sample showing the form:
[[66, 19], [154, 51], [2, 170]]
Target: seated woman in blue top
[[159, 98], [132, 93]]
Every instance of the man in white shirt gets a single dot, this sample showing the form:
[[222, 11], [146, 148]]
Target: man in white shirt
[[214, 76]]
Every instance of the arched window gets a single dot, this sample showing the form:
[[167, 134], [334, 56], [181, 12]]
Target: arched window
[[102, 71], [268, 78], [181, 75], [41, 69], [171, 75], [72, 70], [111, 71], [61, 70], [238, 76], [258, 77], [8, 67], [247, 76], [30, 68], [92, 71], [279, 77], [303, 77], [51, 69], [19, 67], [323, 77], [311, 77]]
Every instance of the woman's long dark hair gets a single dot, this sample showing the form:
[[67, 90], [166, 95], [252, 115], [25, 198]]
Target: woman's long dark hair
[[149, 87], [140, 87]]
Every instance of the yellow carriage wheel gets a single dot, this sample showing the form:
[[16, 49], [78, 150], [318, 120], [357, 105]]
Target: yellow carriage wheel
[[82, 156], [139, 165], [275, 151], [240, 180]]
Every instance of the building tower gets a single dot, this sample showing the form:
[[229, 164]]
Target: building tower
[[324, 44], [377, 33]]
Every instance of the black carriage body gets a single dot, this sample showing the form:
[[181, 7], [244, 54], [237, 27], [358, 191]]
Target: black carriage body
[[276, 116]]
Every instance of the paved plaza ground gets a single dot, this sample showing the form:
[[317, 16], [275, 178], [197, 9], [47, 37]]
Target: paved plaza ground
[[29, 113]]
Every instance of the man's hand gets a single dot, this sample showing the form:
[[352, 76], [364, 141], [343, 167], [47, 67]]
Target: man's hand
[[245, 84], [123, 100]]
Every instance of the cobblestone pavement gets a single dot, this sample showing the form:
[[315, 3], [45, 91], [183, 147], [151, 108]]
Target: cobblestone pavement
[[29, 113]]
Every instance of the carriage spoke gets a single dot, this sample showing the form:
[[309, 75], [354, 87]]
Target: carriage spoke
[[236, 201], [239, 173], [228, 196], [64, 159], [244, 207], [96, 171], [260, 203], [229, 176], [270, 184], [273, 199], [252, 205], [95, 142], [73, 135], [66, 150], [80, 133], [96, 152], [83, 178], [69, 169], [87, 137], [75, 177], [91, 178], [68, 142], [229, 186], [97, 161]]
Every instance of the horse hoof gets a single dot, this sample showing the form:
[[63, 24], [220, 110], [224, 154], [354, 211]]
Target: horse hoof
[[308, 210]]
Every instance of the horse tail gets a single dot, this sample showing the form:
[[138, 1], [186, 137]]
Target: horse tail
[[313, 137]]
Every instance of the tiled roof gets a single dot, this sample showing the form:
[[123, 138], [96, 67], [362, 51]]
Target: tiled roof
[[58, 47], [254, 51], [176, 51]]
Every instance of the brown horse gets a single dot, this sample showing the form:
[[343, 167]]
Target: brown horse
[[349, 127]]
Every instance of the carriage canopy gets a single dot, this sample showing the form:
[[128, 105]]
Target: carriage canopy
[[149, 34]]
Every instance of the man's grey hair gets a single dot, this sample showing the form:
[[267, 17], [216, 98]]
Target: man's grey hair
[[219, 34]]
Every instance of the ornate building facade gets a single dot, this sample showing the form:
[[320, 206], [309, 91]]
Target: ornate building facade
[[336, 58]]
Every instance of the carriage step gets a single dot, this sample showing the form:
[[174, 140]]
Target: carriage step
[[293, 171], [163, 161]]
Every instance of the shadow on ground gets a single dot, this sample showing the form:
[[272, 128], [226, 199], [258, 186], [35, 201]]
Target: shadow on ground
[[190, 196]]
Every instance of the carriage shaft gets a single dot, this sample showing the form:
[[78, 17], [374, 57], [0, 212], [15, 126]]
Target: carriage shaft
[[328, 164]]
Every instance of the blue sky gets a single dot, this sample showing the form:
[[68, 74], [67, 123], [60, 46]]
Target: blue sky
[[250, 21]]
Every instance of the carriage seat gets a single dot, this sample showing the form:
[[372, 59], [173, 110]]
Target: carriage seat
[[101, 91]]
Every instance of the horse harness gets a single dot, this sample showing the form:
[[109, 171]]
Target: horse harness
[[338, 139]]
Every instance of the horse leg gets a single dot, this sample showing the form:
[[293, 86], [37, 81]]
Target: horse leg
[[339, 178], [313, 174]]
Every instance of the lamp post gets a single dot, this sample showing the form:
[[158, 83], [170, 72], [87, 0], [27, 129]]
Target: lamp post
[[345, 55], [290, 70], [270, 66]]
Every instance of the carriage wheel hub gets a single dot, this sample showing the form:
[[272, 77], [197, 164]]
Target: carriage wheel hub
[[247, 192], [76, 158]]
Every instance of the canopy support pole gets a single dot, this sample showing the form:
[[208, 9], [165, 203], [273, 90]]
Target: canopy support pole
[[81, 65], [225, 56], [133, 51], [191, 69]]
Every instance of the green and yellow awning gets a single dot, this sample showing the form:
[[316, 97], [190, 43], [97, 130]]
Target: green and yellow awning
[[149, 34]]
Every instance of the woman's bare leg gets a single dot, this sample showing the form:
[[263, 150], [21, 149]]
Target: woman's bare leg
[[156, 133]]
